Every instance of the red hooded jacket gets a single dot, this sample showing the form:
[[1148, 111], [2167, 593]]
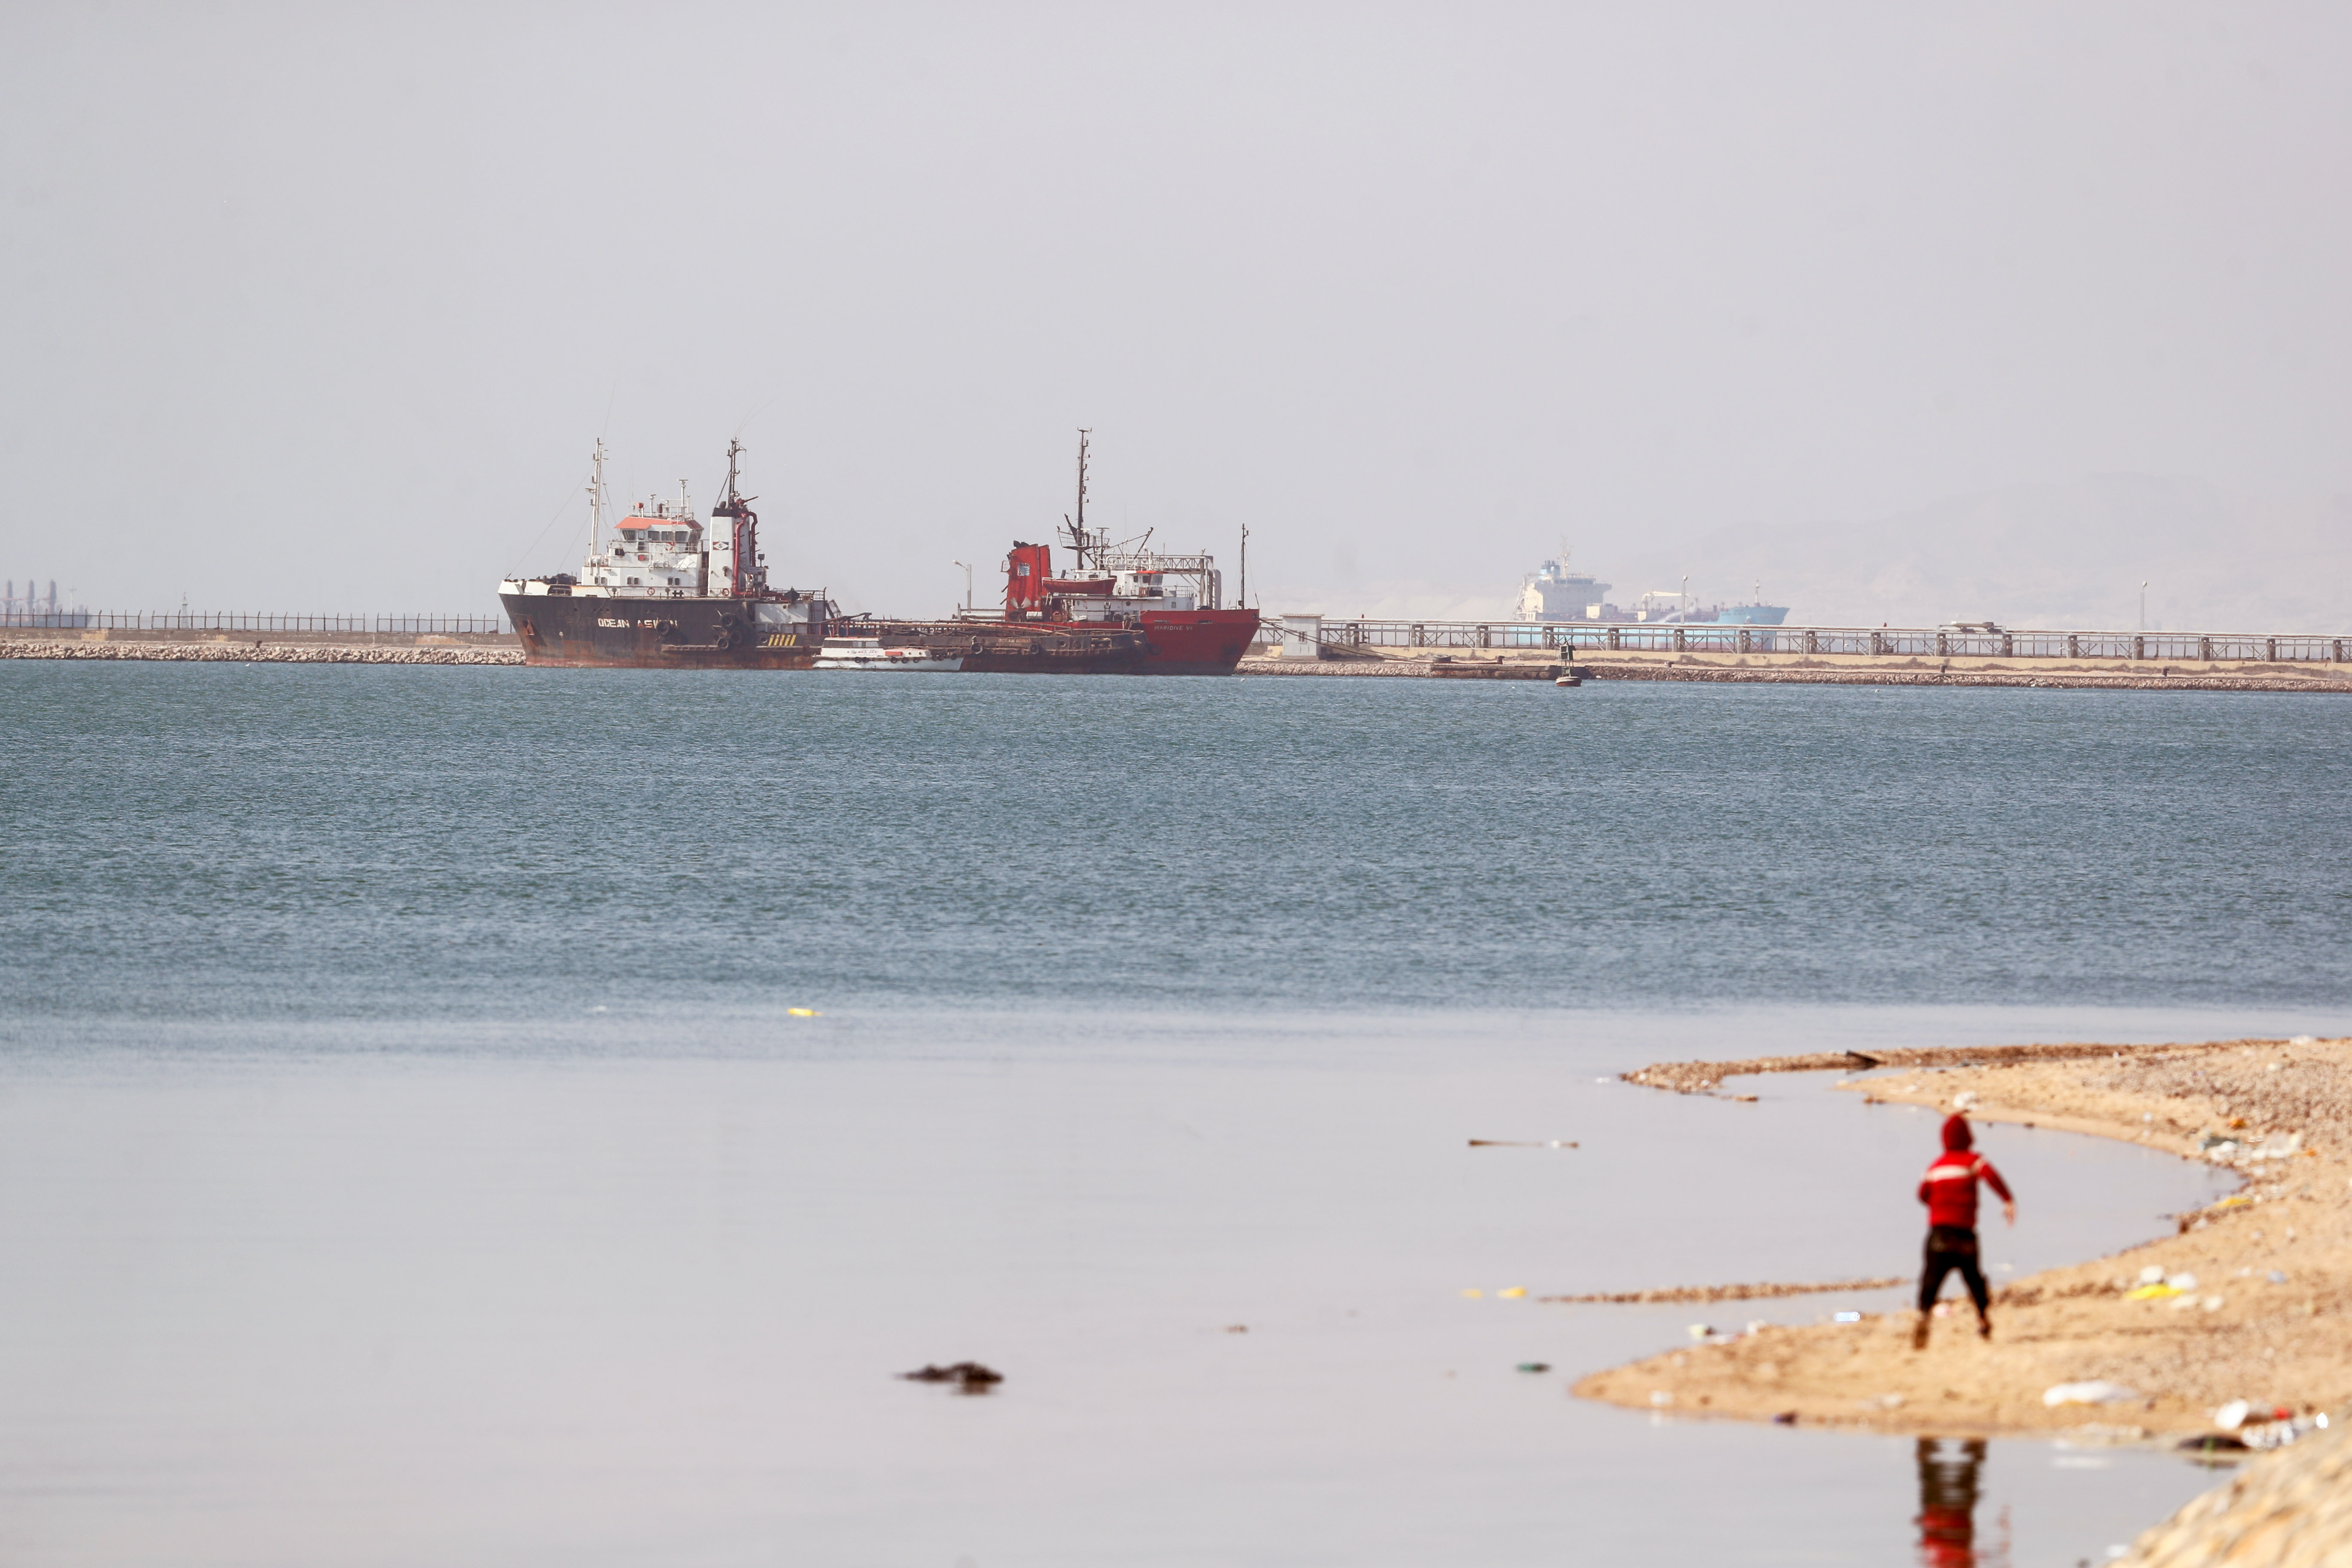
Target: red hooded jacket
[[1949, 1190]]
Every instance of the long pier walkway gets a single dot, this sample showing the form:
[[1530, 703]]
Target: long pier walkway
[[1977, 655]]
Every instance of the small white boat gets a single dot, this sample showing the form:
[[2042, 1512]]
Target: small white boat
[[868, 653]]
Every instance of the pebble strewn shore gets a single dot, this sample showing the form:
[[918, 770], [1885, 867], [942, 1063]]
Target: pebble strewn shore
[[2252, 1292], [2228, 1332], [246, 653]]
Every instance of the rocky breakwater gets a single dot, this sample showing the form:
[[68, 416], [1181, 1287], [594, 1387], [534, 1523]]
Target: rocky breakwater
[[1828, 669], [259, 651], [2292, 1509]]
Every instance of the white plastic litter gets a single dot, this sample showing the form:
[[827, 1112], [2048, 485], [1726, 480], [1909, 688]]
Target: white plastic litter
[[2232, 1415], [2181, 1281], [2096, 1391], [2152, 1275]]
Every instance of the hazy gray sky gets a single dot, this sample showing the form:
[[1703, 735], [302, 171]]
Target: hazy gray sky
[[321, 307]]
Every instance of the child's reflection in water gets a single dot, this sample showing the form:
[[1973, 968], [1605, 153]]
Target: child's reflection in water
[[1947, 1502]]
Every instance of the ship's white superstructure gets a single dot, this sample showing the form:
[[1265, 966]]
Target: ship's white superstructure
[[658, 550], [1553, 592]]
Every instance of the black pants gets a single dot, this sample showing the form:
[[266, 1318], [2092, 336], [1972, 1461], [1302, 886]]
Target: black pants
[[1951, 1246]]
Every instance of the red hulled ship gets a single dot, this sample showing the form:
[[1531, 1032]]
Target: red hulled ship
[[1175, 600]]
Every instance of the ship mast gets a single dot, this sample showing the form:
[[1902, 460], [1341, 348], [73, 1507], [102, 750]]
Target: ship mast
[[597, 496], [1079, 541], [751, 577]]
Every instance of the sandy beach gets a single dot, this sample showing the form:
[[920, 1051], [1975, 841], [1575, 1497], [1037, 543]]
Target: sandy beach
[[2246, 1301]]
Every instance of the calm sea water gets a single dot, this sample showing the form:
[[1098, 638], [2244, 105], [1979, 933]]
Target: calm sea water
[[407, 1149], [222, 842]]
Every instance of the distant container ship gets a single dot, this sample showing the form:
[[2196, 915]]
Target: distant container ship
[[1553, 592], [663, 592]]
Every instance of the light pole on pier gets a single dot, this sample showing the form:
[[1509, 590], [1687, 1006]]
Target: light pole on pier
[[2143, 606], [967, 586]]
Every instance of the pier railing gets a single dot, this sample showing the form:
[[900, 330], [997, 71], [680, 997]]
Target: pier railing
[[226, 622], [1341, 637]]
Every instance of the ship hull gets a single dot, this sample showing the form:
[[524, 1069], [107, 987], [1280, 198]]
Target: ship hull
[[645, 633], [1196, 642], [990, 647]]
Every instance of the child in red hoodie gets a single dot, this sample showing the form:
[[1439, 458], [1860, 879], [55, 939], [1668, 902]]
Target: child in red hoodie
[[1949, 1192]]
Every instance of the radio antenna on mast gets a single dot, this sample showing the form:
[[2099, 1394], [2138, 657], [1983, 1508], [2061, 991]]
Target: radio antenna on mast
[[1080, 543], [597, 496]]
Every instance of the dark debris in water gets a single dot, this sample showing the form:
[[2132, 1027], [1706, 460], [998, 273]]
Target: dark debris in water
[[968, 1376]]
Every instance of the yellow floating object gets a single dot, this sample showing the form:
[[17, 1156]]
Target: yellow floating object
[[1514, 1290], [2152, 1294], [802, 1013], [1474, 1295]]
